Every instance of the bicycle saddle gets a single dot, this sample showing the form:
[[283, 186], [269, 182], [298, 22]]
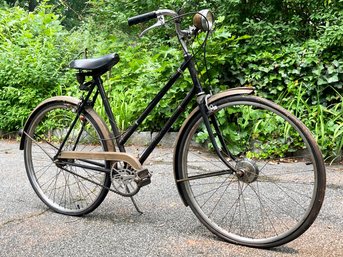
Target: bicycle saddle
[[101, 64]]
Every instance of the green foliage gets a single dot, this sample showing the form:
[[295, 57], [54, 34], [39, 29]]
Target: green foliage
[[306, 76], [33, 52], [72, 11], [290, 51], [110, 15], [140, 74]]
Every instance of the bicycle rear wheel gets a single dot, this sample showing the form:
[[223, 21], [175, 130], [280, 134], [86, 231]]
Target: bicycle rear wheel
[[280, 188], [66, 188]]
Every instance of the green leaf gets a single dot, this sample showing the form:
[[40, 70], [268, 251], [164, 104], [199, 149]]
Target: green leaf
[[334, 78]]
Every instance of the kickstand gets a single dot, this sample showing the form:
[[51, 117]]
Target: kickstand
[[136, 206]]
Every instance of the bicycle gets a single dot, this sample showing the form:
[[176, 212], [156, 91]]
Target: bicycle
[[249, 170]]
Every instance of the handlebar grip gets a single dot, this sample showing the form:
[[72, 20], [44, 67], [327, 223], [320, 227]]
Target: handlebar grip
[[141, 18]]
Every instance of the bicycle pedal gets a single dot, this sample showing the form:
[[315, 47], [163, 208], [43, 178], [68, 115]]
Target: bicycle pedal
[[143, 178]]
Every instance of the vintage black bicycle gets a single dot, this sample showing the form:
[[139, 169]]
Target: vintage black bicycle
[[250, 170]]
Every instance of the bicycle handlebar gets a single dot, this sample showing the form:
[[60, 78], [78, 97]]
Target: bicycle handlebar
[[203, 21], [141, 18]]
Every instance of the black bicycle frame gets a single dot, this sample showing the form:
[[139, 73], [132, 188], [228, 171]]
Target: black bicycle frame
[[121, 139]]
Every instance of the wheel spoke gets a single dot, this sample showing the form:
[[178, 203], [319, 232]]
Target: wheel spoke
[[274, 195], [207, 175], [68, 187]]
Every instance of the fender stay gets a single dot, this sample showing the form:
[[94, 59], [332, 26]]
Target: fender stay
[[211, 99], [73, 101]]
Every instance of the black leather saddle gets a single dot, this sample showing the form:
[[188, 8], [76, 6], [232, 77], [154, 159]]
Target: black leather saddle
[[97, 66]]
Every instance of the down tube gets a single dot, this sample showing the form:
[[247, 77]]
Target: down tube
[[168, 125], [154, 102]]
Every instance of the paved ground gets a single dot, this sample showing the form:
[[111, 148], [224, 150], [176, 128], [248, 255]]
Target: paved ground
[[166, 228]]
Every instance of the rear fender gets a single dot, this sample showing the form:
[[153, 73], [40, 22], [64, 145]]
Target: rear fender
[[67, 100]]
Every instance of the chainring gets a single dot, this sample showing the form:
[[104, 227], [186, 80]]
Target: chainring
[[123, 179], [126, 180]]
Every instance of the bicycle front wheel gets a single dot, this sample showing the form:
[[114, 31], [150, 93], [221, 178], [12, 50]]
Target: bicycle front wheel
[[279, 187], [67, 188]]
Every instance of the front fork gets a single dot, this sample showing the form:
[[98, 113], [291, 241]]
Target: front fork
[[207, 113]]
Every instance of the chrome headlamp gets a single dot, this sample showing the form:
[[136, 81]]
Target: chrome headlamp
[[204, 20]]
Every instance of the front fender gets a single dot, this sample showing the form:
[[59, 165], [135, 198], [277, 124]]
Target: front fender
[[227, 93], [66, 99]]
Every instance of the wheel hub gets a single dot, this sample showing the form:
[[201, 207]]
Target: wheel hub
[[247, 171]]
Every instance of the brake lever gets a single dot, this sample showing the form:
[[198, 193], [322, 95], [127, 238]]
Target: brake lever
[[160, 22]]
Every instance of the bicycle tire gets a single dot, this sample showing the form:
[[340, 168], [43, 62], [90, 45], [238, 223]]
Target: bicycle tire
[[282, 188], [63, 189]]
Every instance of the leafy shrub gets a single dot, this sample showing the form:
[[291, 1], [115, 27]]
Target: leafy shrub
[[256, 43], [305, 77], [138, 77], [33, 52]]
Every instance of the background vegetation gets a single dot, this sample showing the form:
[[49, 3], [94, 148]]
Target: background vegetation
[[290, 50]]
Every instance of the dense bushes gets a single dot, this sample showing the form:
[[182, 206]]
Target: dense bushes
[[34, 49], [291, 51], [300, 77]]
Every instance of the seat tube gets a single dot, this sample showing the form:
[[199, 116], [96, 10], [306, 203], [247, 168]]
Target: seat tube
[[109, 113]]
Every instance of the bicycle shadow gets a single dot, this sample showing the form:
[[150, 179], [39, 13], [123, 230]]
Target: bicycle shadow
[[284, 249]]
